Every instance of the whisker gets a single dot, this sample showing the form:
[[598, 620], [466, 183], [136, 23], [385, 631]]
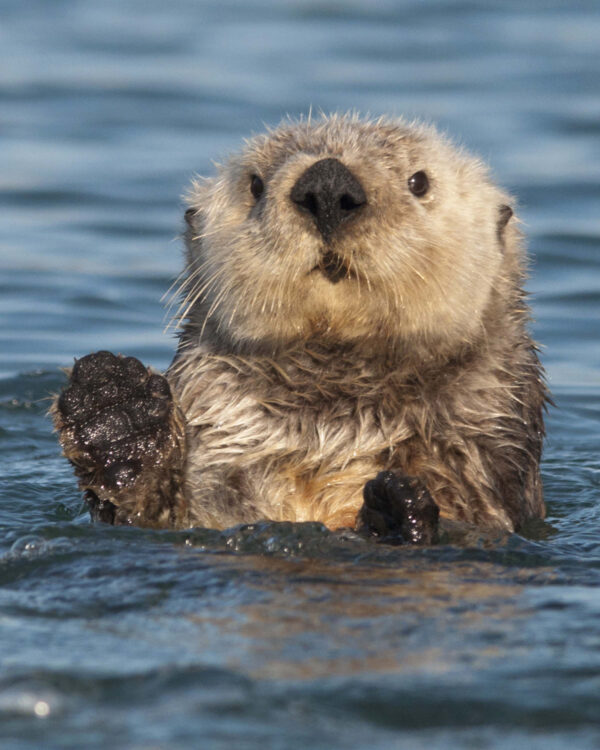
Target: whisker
[[196, 293]]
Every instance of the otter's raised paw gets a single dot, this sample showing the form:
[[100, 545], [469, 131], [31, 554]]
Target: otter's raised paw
[[121, 430], [398, 509]]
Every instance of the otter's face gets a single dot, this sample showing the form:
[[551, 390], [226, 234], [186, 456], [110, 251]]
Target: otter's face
[[346, 230]]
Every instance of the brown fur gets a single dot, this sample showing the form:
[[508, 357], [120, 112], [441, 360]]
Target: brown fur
[[296, 391]]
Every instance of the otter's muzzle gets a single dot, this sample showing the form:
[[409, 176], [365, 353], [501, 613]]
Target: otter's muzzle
[[330, 193]]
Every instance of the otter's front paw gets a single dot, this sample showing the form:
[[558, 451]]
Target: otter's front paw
[[398, 509], [121, 430]]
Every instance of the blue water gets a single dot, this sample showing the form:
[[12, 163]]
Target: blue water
[[282, 636]]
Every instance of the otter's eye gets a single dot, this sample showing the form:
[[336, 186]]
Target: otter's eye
[[418, 184], [257, 186]]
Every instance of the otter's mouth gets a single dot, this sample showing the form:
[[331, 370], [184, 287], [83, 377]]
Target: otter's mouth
[[333, 267]]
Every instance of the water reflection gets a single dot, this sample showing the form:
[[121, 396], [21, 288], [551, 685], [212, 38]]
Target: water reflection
[[315, 620]]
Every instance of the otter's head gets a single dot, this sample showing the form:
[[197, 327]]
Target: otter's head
[[345, 230]]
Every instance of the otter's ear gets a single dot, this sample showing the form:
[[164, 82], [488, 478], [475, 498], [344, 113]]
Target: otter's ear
[[504, 214], [189, 216]]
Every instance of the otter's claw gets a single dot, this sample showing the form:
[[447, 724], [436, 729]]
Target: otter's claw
[[398, 510]]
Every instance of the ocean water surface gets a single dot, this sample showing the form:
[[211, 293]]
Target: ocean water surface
[[282, 635]]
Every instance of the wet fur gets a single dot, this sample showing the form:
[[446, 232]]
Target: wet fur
[[296, 391]]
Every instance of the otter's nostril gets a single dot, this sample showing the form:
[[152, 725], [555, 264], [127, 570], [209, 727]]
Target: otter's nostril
[[310, 203], [347, 203]]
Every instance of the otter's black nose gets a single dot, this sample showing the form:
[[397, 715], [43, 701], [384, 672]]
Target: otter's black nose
[[330, 193]]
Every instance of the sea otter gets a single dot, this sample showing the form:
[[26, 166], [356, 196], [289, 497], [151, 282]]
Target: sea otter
[[354, 349]]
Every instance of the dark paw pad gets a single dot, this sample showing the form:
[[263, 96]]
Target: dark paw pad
[[117, 414], [399, 509]]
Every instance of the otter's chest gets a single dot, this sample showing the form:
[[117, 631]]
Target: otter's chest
[[305, 450], [248, 421]]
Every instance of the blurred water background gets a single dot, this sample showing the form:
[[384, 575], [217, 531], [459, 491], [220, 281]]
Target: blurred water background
[[282, 636]]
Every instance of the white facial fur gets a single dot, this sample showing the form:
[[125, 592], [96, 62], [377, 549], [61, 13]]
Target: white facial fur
[[421, 270]]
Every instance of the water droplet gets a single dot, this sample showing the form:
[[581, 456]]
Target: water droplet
[[28, 545], [41, 709]]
